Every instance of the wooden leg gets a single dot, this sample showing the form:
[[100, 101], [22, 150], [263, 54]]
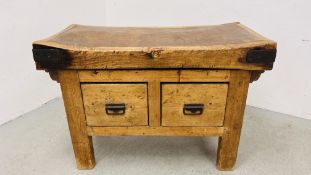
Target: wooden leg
[[228, 143], [82, 143]]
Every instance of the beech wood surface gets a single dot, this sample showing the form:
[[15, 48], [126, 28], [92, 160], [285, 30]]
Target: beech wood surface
[[216, 47], [134, 96], [154, 99], [154, 75], [81, 142], [101, 38], [236, 100], [227, 126], [154, 71], [155, 131], [175, 96], [154, 78]]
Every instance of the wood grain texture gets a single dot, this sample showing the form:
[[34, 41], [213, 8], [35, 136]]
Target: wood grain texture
[[229, 141], [154, 105], [154, 71], [155, 131], [82, 143], [81, 37], [204, 75], [227, 58], [96, 96], [154, 78], [174, 96], [215, 47], [154, 75]]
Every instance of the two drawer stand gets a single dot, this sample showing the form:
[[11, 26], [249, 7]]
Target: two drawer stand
[[165, 81]]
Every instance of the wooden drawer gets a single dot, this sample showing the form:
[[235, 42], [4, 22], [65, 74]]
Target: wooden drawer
[[201, 104], [115, 104]]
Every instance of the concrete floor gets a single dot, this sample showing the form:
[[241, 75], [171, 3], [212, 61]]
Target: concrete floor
[[39, 143]]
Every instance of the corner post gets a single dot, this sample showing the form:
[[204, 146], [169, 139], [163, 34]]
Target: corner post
[[229, 142], [81, 142]]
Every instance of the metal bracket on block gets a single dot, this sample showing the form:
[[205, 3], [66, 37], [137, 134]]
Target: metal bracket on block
[[261, 55], [51, 58]]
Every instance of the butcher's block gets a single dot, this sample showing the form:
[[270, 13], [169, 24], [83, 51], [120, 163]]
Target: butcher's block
[[155, 81]]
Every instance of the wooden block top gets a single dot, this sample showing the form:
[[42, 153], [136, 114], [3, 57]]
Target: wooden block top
[[81, 37], [95, 47]]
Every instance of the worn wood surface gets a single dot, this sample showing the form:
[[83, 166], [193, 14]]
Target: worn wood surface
[[229, 141], [154, 78], [96, 96], [154, 99], [155, 131], [82, 143], [162, 96], [82, 37], [154, 75], [212, 96], [255, 75], [155, 71], [216, 47]]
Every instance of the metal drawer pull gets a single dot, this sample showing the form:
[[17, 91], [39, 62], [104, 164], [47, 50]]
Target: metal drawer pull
[[193, 109], [115, 108]]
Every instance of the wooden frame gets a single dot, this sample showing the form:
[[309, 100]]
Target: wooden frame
[[228, 134], [91, 63], [155, 131], [236, 100], [81, 141], [154, 76]]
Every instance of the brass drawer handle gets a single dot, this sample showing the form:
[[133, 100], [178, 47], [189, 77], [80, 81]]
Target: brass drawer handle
[[193, 109], [115, 108]]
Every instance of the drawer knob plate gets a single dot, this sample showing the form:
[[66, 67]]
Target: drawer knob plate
[[115, 108], [193, 109]]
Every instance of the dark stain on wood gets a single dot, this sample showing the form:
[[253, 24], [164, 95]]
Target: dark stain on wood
[[50, 57]]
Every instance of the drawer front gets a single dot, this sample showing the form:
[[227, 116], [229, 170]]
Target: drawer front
[[193, 104], [115, 104]]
